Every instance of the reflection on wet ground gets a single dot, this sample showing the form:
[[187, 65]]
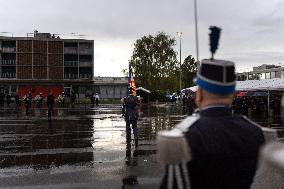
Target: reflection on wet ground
[[83, 147], [80, 148]]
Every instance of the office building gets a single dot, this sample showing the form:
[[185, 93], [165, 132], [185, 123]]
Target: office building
[[44, 62]]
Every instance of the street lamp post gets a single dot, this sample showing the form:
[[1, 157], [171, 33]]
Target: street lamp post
[[196, 30], [179, 34]]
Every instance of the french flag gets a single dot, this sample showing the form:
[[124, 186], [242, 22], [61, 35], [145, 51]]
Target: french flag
[[131, 81]]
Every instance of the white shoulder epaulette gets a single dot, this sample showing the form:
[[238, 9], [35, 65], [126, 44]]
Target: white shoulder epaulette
[[270, 134], [172, 145], [185, 124]]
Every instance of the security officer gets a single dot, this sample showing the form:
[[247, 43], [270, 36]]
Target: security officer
[[211, 149], [28, 103], [130, 114], [50, 104]]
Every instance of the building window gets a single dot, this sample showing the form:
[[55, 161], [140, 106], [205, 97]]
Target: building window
[[282, 74], [267, 75], [250, 77], [262, 76], [273, 75]]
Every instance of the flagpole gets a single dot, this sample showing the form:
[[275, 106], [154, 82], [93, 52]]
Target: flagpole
[[196, 31], [129, 72], [131, 81]]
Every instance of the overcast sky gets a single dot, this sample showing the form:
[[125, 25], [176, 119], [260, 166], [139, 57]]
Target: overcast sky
[[252, 31]]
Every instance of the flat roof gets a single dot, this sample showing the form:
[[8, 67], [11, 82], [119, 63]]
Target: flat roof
[[265, 84], [262, 71], [44, 39]]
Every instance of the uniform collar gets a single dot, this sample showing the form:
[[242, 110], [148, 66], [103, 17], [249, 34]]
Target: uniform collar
[[216, 110]]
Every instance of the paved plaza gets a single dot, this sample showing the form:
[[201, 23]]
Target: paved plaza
[[81, 147]]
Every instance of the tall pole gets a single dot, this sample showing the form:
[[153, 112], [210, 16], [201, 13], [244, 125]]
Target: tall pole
[[179, 34], [196, 30], [180, 63]]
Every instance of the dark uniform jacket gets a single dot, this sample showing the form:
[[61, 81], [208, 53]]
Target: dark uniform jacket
[[50, 101], [224, 151], [129, 109]]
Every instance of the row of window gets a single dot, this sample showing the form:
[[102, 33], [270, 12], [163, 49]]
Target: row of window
[[71, 50], [66, 50], [66, 76], [74, 50], [8, 62], [270, 75], [85, 76], [75, 64], [71, 63], [85, 51], [258, 76], [8, 49], [8, 75], [75, 76], [67, 63]]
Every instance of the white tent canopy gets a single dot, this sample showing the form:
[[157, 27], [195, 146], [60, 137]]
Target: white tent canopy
[[143, 89], [265, 84], [254, 85], [193, 89]]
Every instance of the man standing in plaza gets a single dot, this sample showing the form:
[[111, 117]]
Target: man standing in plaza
[[130, 114], [50, 104], [97, 99], [211, 149], [28, 103]]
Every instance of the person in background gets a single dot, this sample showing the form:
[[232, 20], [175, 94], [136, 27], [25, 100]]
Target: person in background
[[28, 103], [211, 149], [2, 98], [60, 100], [97, 99], [50, 104], [92, 98], [40, 99], [130, 113], [72, 98], [8, 99], [63, 99], [17, 100]]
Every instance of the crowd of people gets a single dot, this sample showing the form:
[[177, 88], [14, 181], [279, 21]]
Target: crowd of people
[[257, 106], [28, 100], [5, 98], [38, 100], [188, 103], [251, 106]]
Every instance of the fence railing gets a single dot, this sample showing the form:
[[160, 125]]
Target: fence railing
[[8, 75], [8, 49], [8, 62]]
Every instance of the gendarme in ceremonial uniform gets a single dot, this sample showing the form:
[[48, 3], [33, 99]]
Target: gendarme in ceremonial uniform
[[213, 148]]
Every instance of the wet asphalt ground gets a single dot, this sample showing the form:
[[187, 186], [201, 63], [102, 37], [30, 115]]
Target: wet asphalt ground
[[81, 147]]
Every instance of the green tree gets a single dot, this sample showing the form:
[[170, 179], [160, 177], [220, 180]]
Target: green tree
[[125, 72], [155, 62], [189, 69]]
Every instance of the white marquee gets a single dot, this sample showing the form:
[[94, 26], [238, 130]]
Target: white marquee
[[255, 85], [265, 84]]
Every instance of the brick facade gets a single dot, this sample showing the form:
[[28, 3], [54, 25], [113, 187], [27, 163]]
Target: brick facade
[[40, 59], [24, 59], [34, 53], [55, 59]]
